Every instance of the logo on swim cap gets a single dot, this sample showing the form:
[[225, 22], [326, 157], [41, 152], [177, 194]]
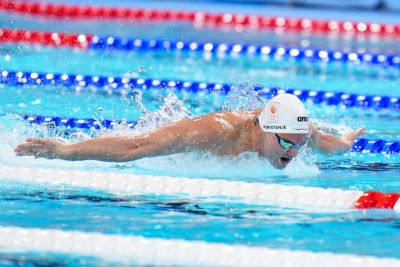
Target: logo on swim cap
[[274, 109], [300, 119], [284, 114], [273, 114]]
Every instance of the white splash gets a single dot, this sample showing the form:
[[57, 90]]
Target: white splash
[[246, 166], [171, 110], [242, 96], [304, 165]]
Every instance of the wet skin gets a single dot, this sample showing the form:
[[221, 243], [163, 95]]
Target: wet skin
[[222, 133]]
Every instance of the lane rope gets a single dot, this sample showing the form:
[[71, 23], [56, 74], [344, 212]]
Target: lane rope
[[238, 21], [269, 194], [127, 86], [362, 145], [45, 38], [95, 42], [158, 251], [75, 122], [365, 145]]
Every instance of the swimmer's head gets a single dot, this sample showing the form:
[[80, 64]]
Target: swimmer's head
[[284, 113], [285, 124]]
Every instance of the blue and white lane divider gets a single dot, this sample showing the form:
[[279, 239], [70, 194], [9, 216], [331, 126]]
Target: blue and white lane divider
[[365, 145], [231, 49], [126, 86], [362, 145], [139, 250], [76, 123]]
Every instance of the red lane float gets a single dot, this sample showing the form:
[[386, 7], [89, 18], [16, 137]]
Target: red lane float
[[45, 38], [377, 200], [199, 18]]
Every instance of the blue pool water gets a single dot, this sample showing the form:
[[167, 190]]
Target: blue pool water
[[372, 232]]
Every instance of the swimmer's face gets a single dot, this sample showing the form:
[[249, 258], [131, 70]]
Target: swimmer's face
[[280, 149]]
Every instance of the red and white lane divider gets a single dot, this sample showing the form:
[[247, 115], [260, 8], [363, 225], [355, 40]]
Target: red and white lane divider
[[157, 251], [214, 19], [45, 38], [270, 194]]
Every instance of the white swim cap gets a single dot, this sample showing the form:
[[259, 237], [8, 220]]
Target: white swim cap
[[284, 114]]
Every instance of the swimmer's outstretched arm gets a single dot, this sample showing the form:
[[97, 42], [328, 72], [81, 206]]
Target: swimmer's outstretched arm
[[331, 144], [201, 133]]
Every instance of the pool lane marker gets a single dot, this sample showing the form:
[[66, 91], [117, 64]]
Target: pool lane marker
[[111, 85], [268, 194], [156, 251], [86, 41], [45, 38], [76, 123], [236, 21]]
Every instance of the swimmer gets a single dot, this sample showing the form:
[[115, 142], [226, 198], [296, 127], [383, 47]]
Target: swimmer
[[276, 133]]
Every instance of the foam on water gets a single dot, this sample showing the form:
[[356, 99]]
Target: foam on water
[[304, 165]]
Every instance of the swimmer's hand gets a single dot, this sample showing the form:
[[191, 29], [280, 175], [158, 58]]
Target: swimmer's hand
[[330, 144], [41, 148], [346, 141], [349, 137]]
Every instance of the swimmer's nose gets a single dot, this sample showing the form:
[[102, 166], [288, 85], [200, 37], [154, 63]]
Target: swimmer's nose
[[292, 152]]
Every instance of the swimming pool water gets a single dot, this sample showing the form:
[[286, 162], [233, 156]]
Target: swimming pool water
[[372, 232]]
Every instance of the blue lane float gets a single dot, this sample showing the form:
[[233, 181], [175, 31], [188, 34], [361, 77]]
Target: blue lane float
[[376, 146], [125, 86], [231, 49], [362, 145], [76, 123]]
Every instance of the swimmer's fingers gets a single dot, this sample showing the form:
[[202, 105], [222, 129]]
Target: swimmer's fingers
[[351, 136], [38, 147], [43, 141], [354, 134], [37, 153], [360, 131], [27, 149]]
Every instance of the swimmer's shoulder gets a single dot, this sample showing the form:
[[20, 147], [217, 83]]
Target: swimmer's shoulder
[[244, 114], [234, 117], [239, 118]]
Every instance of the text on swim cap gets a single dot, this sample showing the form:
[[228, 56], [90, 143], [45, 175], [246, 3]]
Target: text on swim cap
[[300, 119], [274, 127]]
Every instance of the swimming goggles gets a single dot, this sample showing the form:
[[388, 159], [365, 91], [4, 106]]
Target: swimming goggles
[[286, 144]]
